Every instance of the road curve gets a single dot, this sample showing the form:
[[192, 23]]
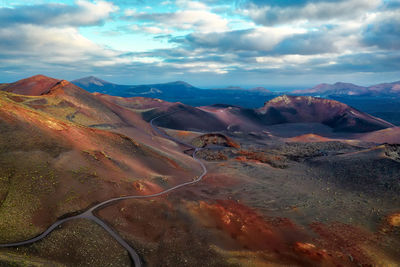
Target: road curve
[[88, 214]]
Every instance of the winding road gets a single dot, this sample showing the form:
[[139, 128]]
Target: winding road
[[89, 214]]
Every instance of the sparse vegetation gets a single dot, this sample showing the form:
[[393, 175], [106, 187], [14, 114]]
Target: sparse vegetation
[[276, 161], [52, 164], [214, 139]]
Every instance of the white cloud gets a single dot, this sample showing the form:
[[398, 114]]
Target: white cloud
[[202, 38], [258, 39], [197, 67], [193, 5], [83, 13], [312, 11], [194, 16], [200, 20], [89, 13], [48, 45], [149, 29]]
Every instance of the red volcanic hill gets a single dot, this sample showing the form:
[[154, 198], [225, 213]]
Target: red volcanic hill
[[236, 118], [56, 161], [99, 110], [291, 109], [306, 109], [35, 85], [181, 116], [65, 100], [42, 100], [39, 85]]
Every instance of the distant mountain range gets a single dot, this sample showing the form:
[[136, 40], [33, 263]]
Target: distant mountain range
[[280, 110], [171, 89], [94, 84], [184, 90], [349, 89], [380, 100]]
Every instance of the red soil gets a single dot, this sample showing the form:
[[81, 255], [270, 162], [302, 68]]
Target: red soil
[[220, 180], [390, 135], [337, 244], [183, 133], [394, 219], [249, 228], [146, 187], [311, 251], [348, 241], [35, 85], [278, 236], [215, 139], [135, 102], [138, 160], [306, 138], [260, 157], [237, 117]]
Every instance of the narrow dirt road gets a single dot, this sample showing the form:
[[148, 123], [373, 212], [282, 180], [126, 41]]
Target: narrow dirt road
[[88, 214]]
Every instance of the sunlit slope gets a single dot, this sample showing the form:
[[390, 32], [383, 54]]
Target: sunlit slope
[[52, 166]]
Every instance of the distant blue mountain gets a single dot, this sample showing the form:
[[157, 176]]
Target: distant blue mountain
[[180, 91], [349, 89]]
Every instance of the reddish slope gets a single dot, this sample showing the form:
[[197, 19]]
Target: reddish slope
[[69, 103], [188, 117], [339, 116], [109, 112], [35, 85], [65, 100], [308, 138], [236, 118], [138, 103], [54, 166], [185, 117], [129, 157], [391, 136]]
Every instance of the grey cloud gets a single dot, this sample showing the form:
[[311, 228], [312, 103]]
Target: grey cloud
[[45, 41], [364, 62], [384, 33], [307, 44], [262, 43], [240, 40], [31, 45], [82, 14], [268, 14], [283, 3]]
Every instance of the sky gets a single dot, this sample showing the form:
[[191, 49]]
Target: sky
[[208, 43]]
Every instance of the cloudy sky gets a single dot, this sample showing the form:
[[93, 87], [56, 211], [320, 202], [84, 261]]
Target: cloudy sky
[[207, 43]]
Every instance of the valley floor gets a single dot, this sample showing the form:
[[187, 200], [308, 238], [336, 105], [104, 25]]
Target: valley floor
[[265, 203]]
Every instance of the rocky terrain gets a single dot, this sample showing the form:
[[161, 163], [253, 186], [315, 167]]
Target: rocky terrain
[[301, 181]]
